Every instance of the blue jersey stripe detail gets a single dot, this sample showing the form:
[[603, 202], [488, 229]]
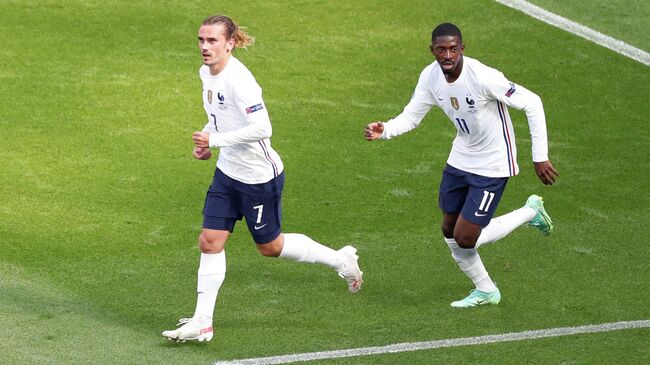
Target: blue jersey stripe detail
[[506, 137], [268, 157]]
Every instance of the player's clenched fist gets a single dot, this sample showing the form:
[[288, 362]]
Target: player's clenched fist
[[201, 153], [374, 130]]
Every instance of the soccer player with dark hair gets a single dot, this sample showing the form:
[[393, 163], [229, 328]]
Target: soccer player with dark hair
[[248, 180], [483, 156]]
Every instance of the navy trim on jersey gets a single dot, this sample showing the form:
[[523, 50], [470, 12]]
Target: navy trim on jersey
[[506, 137], [268, 158]]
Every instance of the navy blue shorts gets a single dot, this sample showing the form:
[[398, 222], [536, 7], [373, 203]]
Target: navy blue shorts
[[228, 200], [476, 197]]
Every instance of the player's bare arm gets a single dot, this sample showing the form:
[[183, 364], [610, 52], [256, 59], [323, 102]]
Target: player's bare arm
[[546, 172], [374, 130], [201, 139]]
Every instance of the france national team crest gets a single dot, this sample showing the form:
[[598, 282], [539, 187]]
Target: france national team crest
[[454, 102], [470, 102], [254, 108], [221, 105], [209, 96]]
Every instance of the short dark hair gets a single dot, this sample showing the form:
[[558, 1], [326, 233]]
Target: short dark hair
[[446, 29]]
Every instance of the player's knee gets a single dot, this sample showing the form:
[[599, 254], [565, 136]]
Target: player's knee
[[465, 241], [447, 229], [268, 250], [204, 243], [211, 243], [273, 248]]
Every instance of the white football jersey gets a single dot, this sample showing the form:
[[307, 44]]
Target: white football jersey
[[239, 124], [476, 104]]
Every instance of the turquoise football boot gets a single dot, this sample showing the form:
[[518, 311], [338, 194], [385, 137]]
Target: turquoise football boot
[[541, 220], [477, 297]]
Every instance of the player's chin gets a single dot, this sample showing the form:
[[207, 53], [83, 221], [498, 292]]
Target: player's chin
[[447, 68]]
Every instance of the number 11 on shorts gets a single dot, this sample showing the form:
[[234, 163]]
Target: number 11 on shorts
[[485, 203]]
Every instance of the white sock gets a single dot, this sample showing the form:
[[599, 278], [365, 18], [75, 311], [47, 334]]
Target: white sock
[[300, 248], [470, 263], [500, 227], [212, 271]]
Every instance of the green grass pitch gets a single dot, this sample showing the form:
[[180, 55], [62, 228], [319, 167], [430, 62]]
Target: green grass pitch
[[100, 199]]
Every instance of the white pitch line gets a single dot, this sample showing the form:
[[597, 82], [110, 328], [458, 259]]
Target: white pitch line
[[454, 342], [579, 29]]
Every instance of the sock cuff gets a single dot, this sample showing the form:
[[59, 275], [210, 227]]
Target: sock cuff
[[449, 240], [528, 212], [212, 263], [300, 248], [291, 248]]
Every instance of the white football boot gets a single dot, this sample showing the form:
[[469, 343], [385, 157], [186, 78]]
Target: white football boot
[[350, 270], [191, 329]]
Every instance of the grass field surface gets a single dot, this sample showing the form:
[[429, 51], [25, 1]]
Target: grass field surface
[[623, 20], [101, 200]]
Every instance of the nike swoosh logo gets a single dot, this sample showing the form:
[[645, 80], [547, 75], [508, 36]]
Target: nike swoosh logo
[[260, 227], [480, 301], [479, 214], [439, 99]]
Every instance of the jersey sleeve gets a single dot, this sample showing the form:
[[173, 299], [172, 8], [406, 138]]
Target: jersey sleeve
[[413, 113], [248, 99], [497, 86]]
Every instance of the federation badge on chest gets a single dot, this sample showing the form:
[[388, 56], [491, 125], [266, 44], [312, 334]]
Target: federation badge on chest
[[454, 102], [209, 96]]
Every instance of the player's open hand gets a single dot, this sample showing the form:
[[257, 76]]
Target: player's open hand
[[546, 172], [374, 130], [201, 139], [200, 153]]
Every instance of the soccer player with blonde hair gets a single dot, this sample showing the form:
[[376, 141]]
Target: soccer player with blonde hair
[[248, 180]]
